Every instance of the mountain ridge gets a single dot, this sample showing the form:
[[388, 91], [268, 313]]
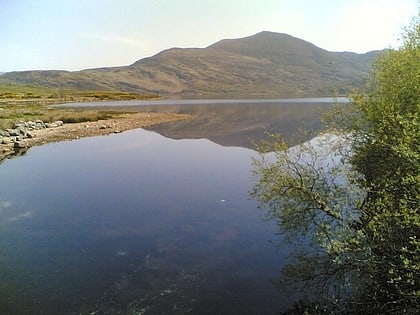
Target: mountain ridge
[[265, 64]]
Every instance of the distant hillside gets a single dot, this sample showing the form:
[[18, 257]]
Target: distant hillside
[[266, 65]]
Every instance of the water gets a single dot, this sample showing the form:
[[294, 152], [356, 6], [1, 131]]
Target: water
[[231, 122], [134, 222], [136, 103], [140, 223]]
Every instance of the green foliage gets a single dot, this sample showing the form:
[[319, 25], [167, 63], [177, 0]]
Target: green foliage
[[354, 197], [314, 195], [387, 153]]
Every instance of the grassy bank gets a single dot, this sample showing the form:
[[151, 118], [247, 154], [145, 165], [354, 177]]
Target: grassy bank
[[22, 102]]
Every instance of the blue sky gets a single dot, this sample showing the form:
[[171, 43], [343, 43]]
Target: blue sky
[[74, 35]]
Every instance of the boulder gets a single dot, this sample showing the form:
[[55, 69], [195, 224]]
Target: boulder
[[19, 145], [23, 130], [13, 132], [5, 140], [50, 125], [20, 124], [39, 124], [54, 124]]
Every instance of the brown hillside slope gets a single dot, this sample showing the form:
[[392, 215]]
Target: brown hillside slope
[[266, 65]]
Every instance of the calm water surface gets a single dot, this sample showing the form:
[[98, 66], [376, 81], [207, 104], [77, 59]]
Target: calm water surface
[[309, 100], [231, 122], [141, 223], [134, 223]]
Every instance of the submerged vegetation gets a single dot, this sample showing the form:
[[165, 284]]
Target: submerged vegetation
[[349, 200]]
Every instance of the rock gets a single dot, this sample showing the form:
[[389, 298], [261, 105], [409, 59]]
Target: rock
[[22, 131], [19, 124], [31, 125], [13, 138], [39, 124], [55, 124], [102, 127], [13, 132], [5, 140], [19, 145]]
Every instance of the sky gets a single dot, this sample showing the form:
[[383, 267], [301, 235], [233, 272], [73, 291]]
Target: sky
[[79, 34]]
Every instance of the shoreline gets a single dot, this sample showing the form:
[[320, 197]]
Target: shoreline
[[74, 131]]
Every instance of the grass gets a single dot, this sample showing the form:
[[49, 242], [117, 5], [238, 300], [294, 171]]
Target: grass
[[16, 93], [10, 114], [22, 102]]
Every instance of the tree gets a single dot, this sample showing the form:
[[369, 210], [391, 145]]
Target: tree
[[351, 198]]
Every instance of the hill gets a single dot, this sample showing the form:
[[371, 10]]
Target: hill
[[265, 65]]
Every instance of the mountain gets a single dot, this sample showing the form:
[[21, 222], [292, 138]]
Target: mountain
[[266, 64]]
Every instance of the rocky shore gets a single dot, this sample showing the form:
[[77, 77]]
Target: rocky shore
[[26, 134], [13, 140]]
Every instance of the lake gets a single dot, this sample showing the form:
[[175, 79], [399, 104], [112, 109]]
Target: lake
[[231, 122], [147, 221]]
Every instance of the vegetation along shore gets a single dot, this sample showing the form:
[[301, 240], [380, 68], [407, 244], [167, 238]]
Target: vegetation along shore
[[27, 118]]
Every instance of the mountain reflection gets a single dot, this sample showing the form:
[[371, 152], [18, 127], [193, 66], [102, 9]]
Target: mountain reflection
[[240, 124]]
